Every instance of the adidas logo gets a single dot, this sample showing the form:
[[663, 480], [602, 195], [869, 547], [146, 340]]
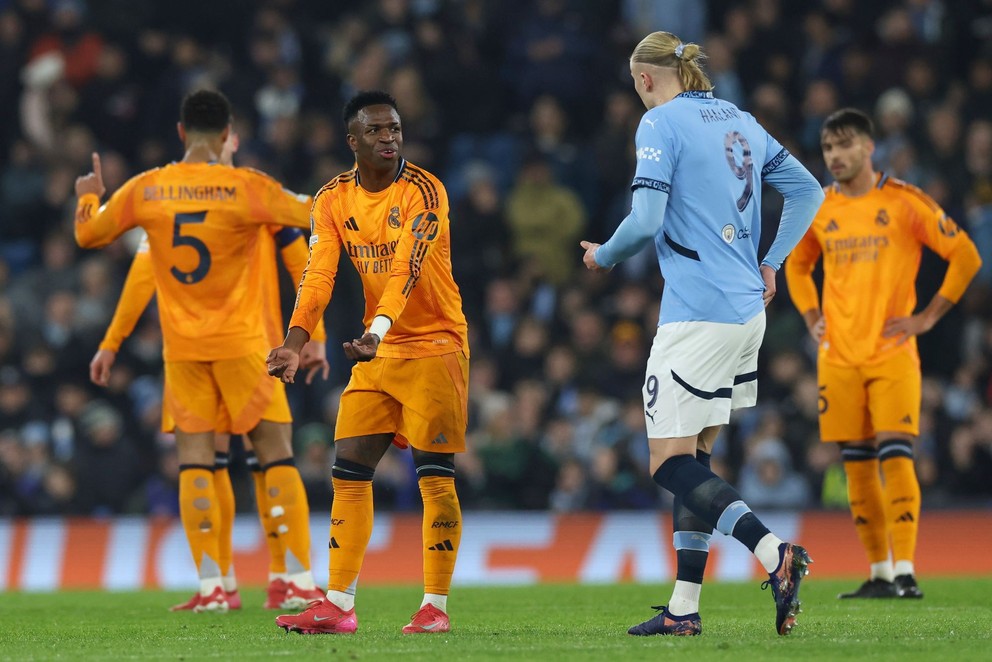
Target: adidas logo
[[907, 419], [906, 517], [444, 546], [438, 440], [333, 544], [351, 224], [832, 226], [858, 521]]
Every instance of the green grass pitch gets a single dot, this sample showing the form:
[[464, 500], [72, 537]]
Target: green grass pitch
[[548, 622]]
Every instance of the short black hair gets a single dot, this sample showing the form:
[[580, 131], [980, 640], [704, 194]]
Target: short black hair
[[205, 110], [849, 119], [364, 99]]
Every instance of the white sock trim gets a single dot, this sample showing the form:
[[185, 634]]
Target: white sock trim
[[685, 598], [208, 585], [278, 575], [344, 601], [439, 601], [303, 579], [904, 568], [767, 552]]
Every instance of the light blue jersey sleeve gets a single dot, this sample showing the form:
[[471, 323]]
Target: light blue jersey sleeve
[[803, 196], [643, 223], [657, 155]]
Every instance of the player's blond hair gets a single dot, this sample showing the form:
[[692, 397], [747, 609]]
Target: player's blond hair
[[663, 49]]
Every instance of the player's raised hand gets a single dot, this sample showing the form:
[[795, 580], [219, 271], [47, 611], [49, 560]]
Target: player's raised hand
[[92, 182], [282, 362], [313, 359], [100, 366], [362, 349], [589, 259]]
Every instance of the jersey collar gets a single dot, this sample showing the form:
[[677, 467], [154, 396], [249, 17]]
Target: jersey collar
[[695, 94]]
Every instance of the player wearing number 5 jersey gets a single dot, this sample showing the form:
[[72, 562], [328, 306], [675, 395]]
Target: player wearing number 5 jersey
[[203, 219], [870, 232], [697, 197]]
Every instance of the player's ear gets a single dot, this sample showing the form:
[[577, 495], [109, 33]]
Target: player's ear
[[181, 130], [225, 133]]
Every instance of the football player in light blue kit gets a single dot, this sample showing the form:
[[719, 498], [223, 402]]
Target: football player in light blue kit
[[697, 195]]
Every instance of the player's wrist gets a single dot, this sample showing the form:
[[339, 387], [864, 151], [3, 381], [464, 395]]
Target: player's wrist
[[296, 339], [380, 326]]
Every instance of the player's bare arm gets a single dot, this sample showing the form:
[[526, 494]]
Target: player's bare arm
[[284, 361]]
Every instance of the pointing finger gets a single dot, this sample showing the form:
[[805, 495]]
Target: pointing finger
[[97, 170]]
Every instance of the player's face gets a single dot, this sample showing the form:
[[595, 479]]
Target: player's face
[[376, 136], [846, 153]]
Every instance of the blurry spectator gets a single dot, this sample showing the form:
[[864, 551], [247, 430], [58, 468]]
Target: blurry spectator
[[79, 48], [518, 473], [686, 18], [106, 466], [550, 55], [545, 221], [571, 491], [767, 479], [720, 65], [312, 449], [478, 243]]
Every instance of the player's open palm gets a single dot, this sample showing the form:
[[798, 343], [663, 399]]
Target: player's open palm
[[282, 362], [362, 349], [92, 182]]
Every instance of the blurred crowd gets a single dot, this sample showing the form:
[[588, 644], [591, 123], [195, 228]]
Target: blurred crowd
[[525, 109]]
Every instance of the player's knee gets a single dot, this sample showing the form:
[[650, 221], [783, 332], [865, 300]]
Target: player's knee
[[434, 464]]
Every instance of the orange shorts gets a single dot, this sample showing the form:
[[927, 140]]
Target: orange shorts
[[857, 402], [423, 402], [231, 395]]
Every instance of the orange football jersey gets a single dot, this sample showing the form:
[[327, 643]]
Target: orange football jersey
[[202, 224], [398, 241], [139, 286], [871, 247]]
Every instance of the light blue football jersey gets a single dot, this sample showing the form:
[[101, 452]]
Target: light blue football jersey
[[710, 157]]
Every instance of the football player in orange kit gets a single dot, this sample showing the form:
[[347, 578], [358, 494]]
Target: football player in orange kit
[[409, 386], [870, 231], [202, 221], [139, 287]]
